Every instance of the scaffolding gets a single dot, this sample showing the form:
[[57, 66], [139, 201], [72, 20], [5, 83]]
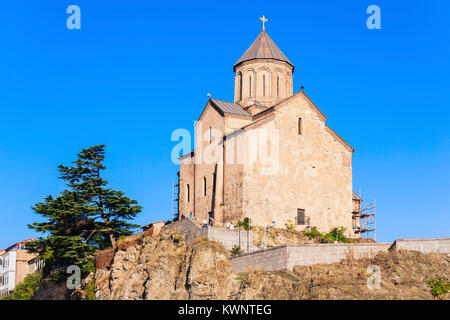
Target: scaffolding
[[175, 200], [365, 219]]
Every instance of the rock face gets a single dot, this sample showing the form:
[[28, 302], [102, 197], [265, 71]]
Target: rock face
[[164, 267], [403, 275]]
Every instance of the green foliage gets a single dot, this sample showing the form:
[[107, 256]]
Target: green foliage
[[85, 217], [313, 233], [236, 250], [246, 224], [26, 289], [90, 290], [177, 238], [243, 279], [439, 286], [290, 225], [337, 234]]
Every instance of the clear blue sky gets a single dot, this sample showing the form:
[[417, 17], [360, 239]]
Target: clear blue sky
[[137, 70]]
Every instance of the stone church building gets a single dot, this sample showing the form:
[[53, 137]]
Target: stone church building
[[268, 155]]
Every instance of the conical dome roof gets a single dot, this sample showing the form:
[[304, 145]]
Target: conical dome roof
[[263, 48]]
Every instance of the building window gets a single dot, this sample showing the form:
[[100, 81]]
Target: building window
[[250, 86], [264, 85], [204, 186], [301, 216], [278, 87], [300, 129], [210, 134], [188, 192], [240, 86]]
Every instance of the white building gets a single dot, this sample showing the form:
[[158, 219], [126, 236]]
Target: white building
[[15, 263]]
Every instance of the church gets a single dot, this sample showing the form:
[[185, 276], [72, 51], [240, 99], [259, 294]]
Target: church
[[268, 155]]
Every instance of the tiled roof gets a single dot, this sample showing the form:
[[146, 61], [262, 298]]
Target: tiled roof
[[229, 107], [263, 48]]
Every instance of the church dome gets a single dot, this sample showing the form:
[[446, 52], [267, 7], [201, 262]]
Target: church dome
[[263, 48], [263, 74]]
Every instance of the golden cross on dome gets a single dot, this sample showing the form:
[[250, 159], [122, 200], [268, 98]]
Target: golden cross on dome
[[263, 19]]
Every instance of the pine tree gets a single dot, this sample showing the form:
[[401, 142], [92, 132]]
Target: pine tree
[[85, 217]]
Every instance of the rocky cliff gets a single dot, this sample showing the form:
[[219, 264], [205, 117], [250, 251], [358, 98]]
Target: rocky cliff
[[164, 267]]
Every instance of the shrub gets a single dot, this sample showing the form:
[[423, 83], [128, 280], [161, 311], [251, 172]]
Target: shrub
[[439, 286], [236, 251], [243, 279], [26, 289], [313, 233], [337, 234], [177, 238], [90, 290], [290, 225], [246, 224]]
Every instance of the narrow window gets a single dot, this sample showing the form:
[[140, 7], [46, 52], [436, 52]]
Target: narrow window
[[210, 134], [278, 87], [240, 86], [204, 186], [300, 129], [188, 192], [264, 85], [250, 86], [300, 216]]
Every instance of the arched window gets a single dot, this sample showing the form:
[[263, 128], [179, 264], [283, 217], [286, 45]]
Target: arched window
[[210, 134], [264, 85], [240, 86], [188, 192], [204, 186], [300, 129], [278, 87]]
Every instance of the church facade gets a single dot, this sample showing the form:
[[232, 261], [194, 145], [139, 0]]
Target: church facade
[[268, 155]]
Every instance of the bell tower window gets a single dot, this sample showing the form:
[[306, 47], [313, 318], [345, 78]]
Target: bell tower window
[[240, 86]]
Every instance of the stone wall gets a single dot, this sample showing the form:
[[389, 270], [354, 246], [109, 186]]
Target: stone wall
[[313, 172], [272, 259], [227, 237], [310, 254], [232, 237], [289, 256], [423, 245], [187, 227]]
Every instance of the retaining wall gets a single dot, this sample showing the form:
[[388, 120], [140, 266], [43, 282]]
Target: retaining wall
[[441, 245], [232, 237], [228, 237], [271, 259], [289, 256], [187, 227]]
